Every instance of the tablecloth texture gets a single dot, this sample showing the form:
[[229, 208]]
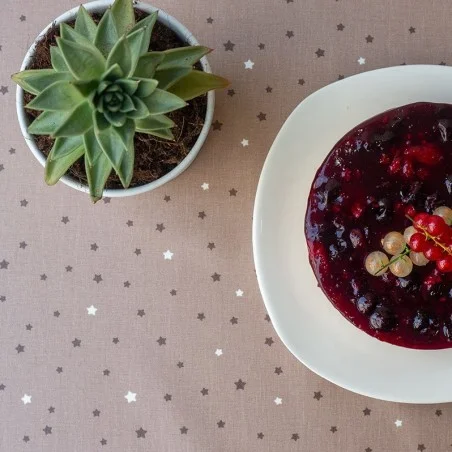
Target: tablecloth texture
[[137, 324]]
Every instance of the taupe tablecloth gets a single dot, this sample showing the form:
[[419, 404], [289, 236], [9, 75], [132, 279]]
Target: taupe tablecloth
[[137, 324]]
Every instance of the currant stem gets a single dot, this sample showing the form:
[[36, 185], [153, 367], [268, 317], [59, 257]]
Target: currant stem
[[394, 259], [431, 237]]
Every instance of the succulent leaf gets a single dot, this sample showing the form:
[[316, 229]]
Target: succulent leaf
[[57, 60], [92, 147], [113, 73], [182, 57], [168, 77], [125, 172], [161, 101], [126, 134], [65, 145], [112, 146], [57, 167], [78, 121], [123, 15], [147, 64], [197, 83], [135, 40], [97, 173], [84, 62], [47, 122], [85, 25], [36, 80], [147, 24], [128, 86], [69, 34], [140, 111], [162, 133], [154, 122], [146, 87], [106, 35], [62, 95]]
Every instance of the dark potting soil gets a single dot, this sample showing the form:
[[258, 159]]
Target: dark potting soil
[[154, 157]]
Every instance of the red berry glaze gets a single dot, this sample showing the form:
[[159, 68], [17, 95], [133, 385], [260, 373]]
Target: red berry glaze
[[418, 242], [433, 252], [421, 221], [436, 226], [445, 264]]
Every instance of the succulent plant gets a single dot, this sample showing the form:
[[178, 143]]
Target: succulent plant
[[105, 85]]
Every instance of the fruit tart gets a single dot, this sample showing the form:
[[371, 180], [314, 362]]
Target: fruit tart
[[378, 226]]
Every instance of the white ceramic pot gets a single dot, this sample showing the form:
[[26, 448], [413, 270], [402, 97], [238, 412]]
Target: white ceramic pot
[[99, 6]]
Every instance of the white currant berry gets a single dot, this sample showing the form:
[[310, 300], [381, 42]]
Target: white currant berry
[[444, 212], [408, 232], [418, 259], [401, 267], [393, 243], [374, 262]]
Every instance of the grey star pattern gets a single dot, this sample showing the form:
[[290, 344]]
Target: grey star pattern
[[369, 39], [141, 312], [59, 370], [106, 200], [2, 298], [65, 220], [260, 435], [96, 413], [221, 424], [76, 342], [56, 313], [367, 449], [97, 278], [261, 46], [137, 251], [161, 340], [333, 429], [320, 52], [43, 277], [51, 409], [160, 227], [340, 77], [340, 27], [217, 125], [167, 198], [106, 372], [20, 348], [12, 151], [25, 439], [216, 277], [201, 316], [2, 387], [204, 391], [295, 436], [240, 384], [68, 268], [301, 81], [267, 318], [229, 46], [289, 34], [183, 430], [180, 364], [167, 397], [129, 223], [421, 447], [116, 340], [47, 430], [29, 327], [269, 341], [262, 116], [209, 20], [4, 264], [231, 92], [317, 395], [94, 247], [439, 412], [202, 215], [3, 89], [23, 245], [234, 320], [278, 370], [173, 292], [233, 192], [127, 284], [367, 411], [23, 203], [141, 433], [23, 18], [2, 167], [211, 246], [103, 442], [412, 30]]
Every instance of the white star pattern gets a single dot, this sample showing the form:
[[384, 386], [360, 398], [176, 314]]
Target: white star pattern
[[248, 64], [131, 397], [239, 293], [361, 61], [91, 310], [398, 423], [245, 142], [218, 352], [168, 255], [26, 399], [278, 401], [205, 186]]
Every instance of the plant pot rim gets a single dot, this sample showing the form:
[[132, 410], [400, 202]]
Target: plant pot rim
[[166, 19]]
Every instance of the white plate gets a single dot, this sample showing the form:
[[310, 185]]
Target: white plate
[[308, 324]]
